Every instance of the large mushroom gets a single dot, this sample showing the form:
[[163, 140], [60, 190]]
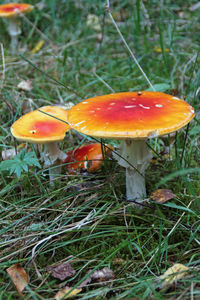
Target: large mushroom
[[11, 12], [40, 128], [132, 117]]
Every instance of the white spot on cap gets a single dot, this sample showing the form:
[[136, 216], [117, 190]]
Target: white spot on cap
[[176, 98], [145, 107], [158, 105], [129, 106], [77, 124], [92, 111], [83, 127], [113, 103], [133, 98], [192, 110], [98, 108], [84, 102]]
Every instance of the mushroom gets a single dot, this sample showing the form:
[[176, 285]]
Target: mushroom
[[40, 128], [87, 157], [12, 11], [132, 117]]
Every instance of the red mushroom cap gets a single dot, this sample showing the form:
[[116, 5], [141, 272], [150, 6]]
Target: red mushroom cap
[[135, 115], [13, 9], [40, 128], [86, 157]]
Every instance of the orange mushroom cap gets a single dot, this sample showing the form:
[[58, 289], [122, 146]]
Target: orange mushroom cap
[[86, 157], [14, 9], [137, 115], [40, 128]]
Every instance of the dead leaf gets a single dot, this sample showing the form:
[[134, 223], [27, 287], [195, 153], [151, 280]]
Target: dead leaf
[[162, 195], [25, 85], [10, 153], [61, 294], [174, 273], [85, 282], [159, 49], [118, 261], [63, 271], [19, 277], [38, 47], [94, 22], [102, 275]]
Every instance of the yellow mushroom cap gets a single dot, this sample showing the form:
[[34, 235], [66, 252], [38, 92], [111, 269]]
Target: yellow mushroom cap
[[13, 9], [37, 127], [134, 115]]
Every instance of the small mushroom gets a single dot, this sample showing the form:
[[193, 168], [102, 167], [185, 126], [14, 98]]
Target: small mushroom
[[87, 157], [12, 12], [39, 128], [133, 117]]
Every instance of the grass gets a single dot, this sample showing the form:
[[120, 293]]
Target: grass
[[84, 219]]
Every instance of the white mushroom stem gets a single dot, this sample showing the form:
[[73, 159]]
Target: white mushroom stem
[[136, 156], [52, 157], [14, 30]]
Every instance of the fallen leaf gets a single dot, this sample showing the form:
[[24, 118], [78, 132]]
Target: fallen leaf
[[118, 261], [19, 277], [38, 47], [162, 195], [61, 294], [63, 271], [93, 22], [159, 49], [10, 153], [85, 282], [25, 85], [102, 275], [174, 273]]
